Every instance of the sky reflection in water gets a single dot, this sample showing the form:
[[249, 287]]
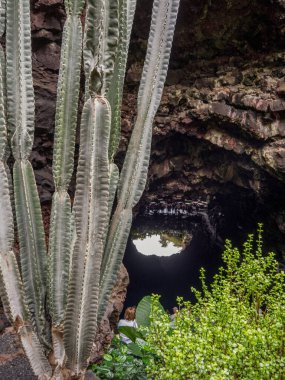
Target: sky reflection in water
[[156, 245]]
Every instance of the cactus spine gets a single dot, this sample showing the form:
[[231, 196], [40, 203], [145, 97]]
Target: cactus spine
[[86, 242]]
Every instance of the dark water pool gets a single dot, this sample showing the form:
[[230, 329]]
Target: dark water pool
[[188, 247], [197, 241]]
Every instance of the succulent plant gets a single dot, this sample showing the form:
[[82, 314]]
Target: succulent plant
[[56, 298]]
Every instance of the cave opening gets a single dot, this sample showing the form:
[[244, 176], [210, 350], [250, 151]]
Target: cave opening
[[197, 234], [170, 274]]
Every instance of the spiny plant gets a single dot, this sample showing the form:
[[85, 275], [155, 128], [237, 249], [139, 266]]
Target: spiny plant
[[56, 299]]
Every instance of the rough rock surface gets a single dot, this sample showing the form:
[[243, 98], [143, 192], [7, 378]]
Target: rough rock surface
[[13, 363], [219, 135], [225, 86]]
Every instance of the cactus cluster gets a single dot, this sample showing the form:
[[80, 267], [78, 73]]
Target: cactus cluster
[[56, 298]]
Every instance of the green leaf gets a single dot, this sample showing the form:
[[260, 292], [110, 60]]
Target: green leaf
[[144, 310], [131, 332], [108, 357]]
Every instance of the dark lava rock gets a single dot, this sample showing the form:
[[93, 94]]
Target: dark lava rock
[[17, 369], [13, 363], [281, 88], [220, 127]]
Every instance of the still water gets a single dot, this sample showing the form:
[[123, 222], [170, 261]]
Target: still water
[[163, 245], [164, 255]]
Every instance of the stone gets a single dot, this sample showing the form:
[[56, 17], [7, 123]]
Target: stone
[[281, 88], [13, 363], [91, 376], [49, 55]]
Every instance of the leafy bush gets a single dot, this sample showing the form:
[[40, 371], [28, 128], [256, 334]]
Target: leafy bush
[[129, 361], [235, 330], [123, 362]]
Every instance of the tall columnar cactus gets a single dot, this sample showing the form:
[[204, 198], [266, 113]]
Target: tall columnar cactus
[[71, 283]]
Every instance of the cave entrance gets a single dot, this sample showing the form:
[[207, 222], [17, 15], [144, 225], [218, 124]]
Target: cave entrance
[[172, 272], [196, 237]]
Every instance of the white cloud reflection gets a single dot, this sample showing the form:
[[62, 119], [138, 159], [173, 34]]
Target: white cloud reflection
[[151, 245]]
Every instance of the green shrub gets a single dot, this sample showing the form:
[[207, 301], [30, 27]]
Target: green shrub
[[235, 330], [123, 362]]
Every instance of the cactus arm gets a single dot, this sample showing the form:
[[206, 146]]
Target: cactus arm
[[9, 273], [90, 210], [134, 172], [12, 286], [20, 94], [109, 43], [12, 295], [92, 36], [3, 130], [115, 247], [32, 242], [20, 109], [114, 178], [115, 92], [101, 43], [59, 255], [34, 351], [6, 225], [158, 53], [63, 161], [4, 299], [2, 16], [10, 280], [67, 102], [74, 6]]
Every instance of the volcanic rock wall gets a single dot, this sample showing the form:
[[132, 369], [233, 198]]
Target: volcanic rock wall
[[219, 135]]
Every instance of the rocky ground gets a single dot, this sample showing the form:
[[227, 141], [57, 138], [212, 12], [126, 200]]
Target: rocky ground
[[14, 364]]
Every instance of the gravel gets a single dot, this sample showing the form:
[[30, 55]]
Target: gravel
[[17, 369], [14, 365]]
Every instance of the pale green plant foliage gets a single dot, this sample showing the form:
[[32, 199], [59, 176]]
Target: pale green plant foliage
[[87, 240], [236, 330]]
